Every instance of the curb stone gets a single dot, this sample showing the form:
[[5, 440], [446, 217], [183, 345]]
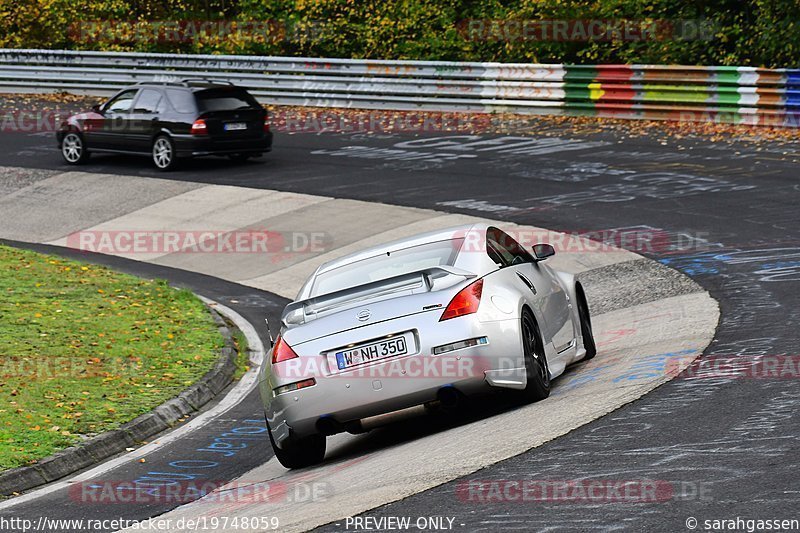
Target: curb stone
[[100, 447]]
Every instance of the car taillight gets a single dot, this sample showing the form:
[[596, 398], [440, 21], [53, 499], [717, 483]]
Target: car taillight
[[465, 302], [282, 351], [199, 127], [266, 124]]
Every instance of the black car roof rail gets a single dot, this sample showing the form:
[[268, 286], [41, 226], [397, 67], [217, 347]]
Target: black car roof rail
[[174, 83], [205, 80], [187, 82]]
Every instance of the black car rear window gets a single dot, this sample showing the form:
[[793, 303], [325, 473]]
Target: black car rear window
[[225, 99], [181, 100]]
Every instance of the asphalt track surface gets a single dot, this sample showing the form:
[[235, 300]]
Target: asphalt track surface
[[728, 216]]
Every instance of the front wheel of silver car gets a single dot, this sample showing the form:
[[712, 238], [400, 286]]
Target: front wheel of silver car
[[73, 149], [536, 369], [300, 453], [164, 157]]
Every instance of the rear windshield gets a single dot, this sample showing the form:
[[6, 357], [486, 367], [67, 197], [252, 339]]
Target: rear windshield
[[181, 100], [225, 99], [384, 266]]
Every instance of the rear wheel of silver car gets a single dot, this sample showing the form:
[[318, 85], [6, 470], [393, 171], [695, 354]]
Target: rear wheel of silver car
[[73, 149], [299, 453], [586, 326], [164, 157], [536, 369]]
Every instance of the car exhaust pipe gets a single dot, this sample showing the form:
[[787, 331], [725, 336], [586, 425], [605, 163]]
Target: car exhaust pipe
[[371, 422], [449, 398], [327, 425]]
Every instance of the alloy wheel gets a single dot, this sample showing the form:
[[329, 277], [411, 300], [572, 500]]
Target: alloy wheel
[[72, 147]]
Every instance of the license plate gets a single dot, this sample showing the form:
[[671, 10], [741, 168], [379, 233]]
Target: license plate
[[375, 351], [235, 126]]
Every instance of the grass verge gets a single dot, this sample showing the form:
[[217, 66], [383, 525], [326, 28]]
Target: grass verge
[[84, 349], [242, 353]]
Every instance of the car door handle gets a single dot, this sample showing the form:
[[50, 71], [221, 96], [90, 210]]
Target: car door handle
[[527, 282]]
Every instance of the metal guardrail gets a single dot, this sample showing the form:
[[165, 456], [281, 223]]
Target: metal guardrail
[[730, 94]]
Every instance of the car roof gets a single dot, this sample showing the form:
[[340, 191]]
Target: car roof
[[192, 84], [454, 232]]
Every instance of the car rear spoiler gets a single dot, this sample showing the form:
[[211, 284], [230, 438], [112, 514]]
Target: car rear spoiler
[[418, 281]]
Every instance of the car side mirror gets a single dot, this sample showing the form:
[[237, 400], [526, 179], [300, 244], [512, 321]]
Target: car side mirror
[[543, 251], [97, 108]]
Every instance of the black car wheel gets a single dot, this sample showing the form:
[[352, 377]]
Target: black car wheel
[[164, 157], [536, 369], [239, 158], [586, 326], [300, 453], [73, 149]]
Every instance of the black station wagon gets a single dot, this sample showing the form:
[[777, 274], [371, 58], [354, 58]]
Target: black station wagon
[[170, 121]]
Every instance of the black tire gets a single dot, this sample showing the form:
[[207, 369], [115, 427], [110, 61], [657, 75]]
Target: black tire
[[73, 148], [538, 373], [301, 453], [163, 153], [239, 158], [586, 326]]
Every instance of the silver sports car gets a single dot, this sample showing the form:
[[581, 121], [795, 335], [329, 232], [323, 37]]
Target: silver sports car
[[421, 321]]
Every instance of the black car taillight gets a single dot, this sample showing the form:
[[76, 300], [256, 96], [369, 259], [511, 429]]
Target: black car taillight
[[199, 127]]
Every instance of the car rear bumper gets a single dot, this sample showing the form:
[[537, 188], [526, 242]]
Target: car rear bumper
[[195, 146], [395, 383]]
